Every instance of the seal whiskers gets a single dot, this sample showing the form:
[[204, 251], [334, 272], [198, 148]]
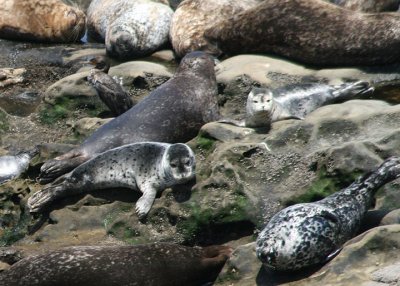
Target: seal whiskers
[[306, 234]]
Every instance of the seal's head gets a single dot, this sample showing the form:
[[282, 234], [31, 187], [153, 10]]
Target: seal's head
[[197, 62], [299, 236], [69, 24], [179, 163], [259, 106]]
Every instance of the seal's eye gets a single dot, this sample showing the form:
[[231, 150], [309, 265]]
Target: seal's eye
[[255, 101], [268, 100], [173, 165]]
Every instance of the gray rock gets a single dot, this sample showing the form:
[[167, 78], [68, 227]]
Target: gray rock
[[389, 274]]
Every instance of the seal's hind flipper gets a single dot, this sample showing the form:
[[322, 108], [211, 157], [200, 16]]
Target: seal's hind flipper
[[346, 91], [42, 199], [53, 169]]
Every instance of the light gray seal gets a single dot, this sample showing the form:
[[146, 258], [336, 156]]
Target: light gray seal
[[153, 264], [109, 91], [13, 166], [172, 113], [310, 31], [149, 167], [265, 105], [310, 233]]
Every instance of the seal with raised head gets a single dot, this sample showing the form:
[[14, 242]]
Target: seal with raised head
[[41, 21], [13, 166], [265, 105], [155, 264], [109, 91], [174, 112], [310, 31], [149, 167], [306, 234]]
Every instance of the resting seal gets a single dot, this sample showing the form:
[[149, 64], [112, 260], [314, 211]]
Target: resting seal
[[156, 264], [41, 21], [174, 112], [310, 31], [148, 167], [368, 6], [109, 91], [13, 166], [306, 234], [193, 17]]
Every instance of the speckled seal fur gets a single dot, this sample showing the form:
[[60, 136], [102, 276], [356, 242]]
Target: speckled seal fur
[[192, 17], [148, 167], [265, 106], [174, 112], [310, 31], [129, 28], [41, 21], [13, 166], [306, 234], [368, 6], [156, 264]]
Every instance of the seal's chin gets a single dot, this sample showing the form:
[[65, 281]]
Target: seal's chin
[[183, 177]]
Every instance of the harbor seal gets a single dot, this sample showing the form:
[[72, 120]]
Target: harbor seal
[[368, 6], [155, 264], [193, 17], [109, 91], [311, 233], [310, 31], [264, 105], [130, 29], [13, 166], [149, 167], [41, 21], [172, 113]]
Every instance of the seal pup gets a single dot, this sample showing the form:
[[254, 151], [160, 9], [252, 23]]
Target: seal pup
[[264, 106], [310, 233], [153, 264], [310, 31], [41, 21], [149, 167], [12, 167], [174, 112], [109, 91]]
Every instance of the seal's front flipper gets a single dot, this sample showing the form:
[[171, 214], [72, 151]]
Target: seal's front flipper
[[239, 123], [144, 203]]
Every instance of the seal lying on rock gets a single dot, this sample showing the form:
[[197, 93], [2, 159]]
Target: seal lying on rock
[[174, 112], [265, 106], [13, 166], [310, 31], [109, 91], [148, 167], [306, 234], [156, 264], [41, 21]]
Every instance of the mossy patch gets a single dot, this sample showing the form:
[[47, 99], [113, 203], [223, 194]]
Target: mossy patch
[[66, 107], [204, 142], [325, 185], [13, 234]]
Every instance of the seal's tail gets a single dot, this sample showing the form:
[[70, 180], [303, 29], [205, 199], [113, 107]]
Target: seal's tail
[[349, 90]]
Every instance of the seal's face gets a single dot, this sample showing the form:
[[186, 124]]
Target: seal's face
[[299, 236], [71, 24], [198, 62], [180, 163], [259, 100]]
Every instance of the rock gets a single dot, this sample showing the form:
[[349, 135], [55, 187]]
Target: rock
[[392, 217], [11, 76], [389, 274], [22, 104], [84, 127]]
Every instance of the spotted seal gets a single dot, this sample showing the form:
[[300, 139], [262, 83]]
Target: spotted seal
[[265, 105], [41, 21], [310, 233], [310, 31], [13, 166], [368, 6], [174, 112], [148, 167], [155, 264], [130, 29], [109, 91]]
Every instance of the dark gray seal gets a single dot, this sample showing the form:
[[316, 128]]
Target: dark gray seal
[[174, 112], [109, 91], [306, 234], [368, 6], [149, 167], [13, 166], [310, 31], [156, 264]]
